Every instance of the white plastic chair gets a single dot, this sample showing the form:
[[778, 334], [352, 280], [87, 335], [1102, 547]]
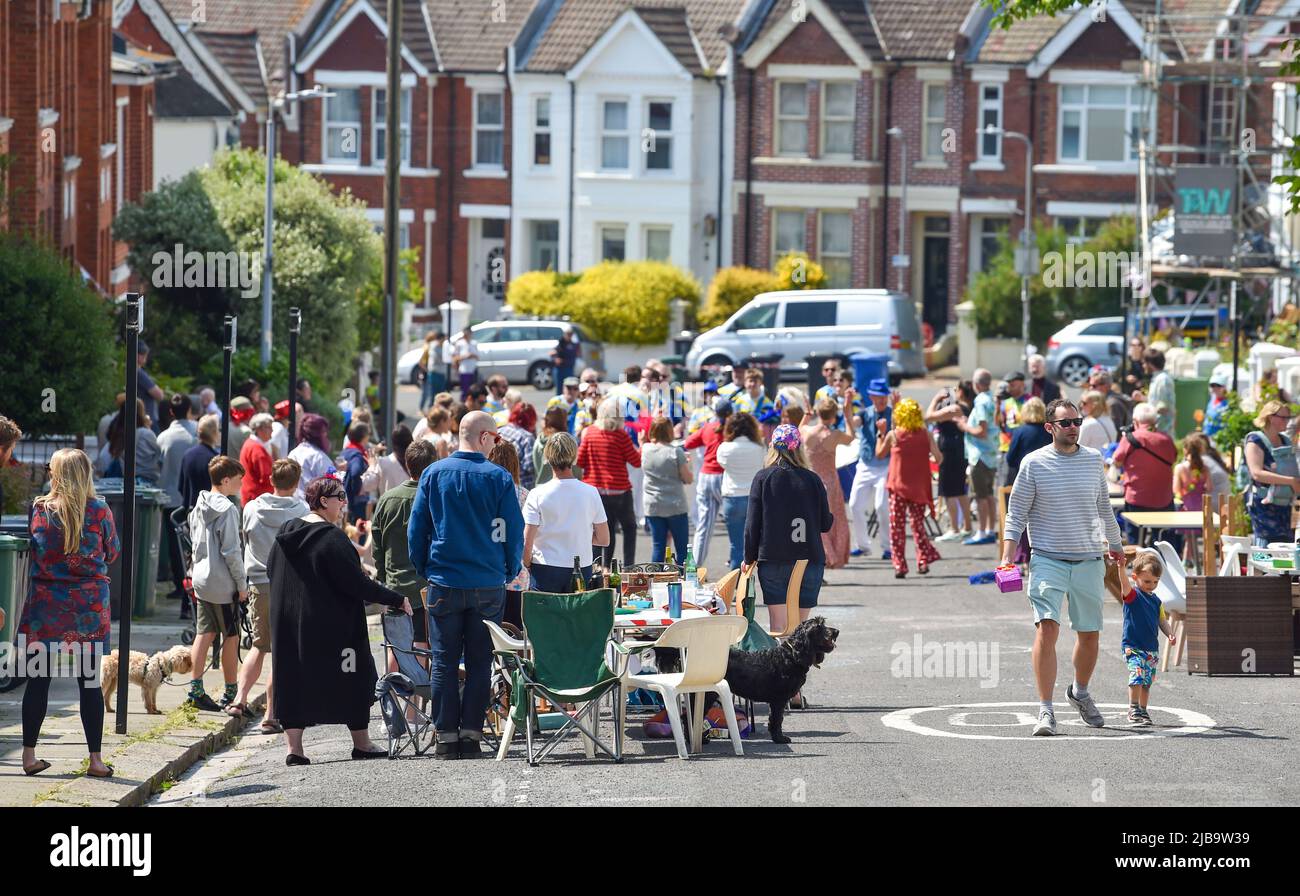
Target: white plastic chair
[[704, 644], [1172, 592], [1234, 548]]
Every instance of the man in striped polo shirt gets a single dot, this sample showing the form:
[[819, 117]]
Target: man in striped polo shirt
[[1060, 496]]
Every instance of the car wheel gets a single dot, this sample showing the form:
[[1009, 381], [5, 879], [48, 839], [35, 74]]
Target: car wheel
[[414, 378], [713, 361], [542, 376], [1074, 370]]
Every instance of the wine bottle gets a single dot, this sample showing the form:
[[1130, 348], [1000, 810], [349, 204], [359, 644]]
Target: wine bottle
[[578, 584], [668, 555], [615, 577]]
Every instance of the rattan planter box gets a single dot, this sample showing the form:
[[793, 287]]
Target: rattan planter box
[[1239, 625]]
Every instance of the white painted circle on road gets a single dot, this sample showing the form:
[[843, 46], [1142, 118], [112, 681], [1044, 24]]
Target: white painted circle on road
[[1015, 717]]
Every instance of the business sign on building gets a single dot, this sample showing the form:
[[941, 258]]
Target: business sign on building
[[1205, 203]]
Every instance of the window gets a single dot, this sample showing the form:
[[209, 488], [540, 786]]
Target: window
[[489, 129], [542, 131], [787, 233], [1104, 328], [659, 127], [836, 248], [991, 233], [760, 317], [69, 196], [936, 101], [791, 119], [613, 135], [1100, 122], [343, 125], [990, 117], [381, 133], [105, 184], [613, 243], [837, 119], [1080, 230], [545, 246], [810, 314], [658, 243]]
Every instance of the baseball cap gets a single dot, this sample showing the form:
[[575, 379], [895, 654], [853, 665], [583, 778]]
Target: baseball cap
[[572, 382], [1222, 378], [721, 407], [710, 386], [1015, 375]]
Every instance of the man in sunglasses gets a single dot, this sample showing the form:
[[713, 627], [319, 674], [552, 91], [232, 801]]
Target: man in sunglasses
[[1060, 497]]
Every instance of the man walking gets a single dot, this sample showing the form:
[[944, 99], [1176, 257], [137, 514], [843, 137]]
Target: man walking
[[1060, 497], [869, 479], [564, 357], [982, 455], [708, 488], [466, 539]]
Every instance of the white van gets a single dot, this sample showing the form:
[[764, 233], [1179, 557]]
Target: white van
[[800, 323]]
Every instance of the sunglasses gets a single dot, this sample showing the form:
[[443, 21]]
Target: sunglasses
[[494, 436], [1069, 422]]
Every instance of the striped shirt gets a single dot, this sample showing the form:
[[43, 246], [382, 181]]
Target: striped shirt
[[1063, 501], [604, 455]]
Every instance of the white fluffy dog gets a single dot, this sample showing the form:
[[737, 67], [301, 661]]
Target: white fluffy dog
[[146, 671]]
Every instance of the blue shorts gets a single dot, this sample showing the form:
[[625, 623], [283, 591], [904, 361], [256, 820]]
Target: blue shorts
[[1082, 583], [774, 579]]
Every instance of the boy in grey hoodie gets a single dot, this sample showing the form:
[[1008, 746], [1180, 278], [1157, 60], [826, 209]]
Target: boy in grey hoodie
[[263, 518], [219, 580]]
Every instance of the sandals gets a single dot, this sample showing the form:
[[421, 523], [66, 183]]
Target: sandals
[[272, 726], [108, 774], [40, 766], [236, 710]]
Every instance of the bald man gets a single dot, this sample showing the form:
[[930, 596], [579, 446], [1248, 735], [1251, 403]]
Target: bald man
[[466, 539]]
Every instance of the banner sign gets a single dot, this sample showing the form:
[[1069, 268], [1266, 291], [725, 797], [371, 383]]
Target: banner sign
[[1205, 206]]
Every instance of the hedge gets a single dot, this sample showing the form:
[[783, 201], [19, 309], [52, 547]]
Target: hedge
[[795, 270]]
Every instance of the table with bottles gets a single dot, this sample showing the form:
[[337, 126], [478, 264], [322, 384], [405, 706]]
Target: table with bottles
[[649, 604]]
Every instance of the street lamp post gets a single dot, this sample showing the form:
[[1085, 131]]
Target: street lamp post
[[901, 260], [267, 225], [1026, 232]]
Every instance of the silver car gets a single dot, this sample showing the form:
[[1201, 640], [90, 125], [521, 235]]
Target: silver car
[[1083, 344], [520, 350]]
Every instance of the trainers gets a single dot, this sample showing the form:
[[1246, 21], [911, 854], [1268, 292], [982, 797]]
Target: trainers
[[981, 539], [887, 555], [1046, 726], [1144, 718], [449, 749], [1088, 710], [203, 702], [950, 536], [1138, 718], [856, 552]]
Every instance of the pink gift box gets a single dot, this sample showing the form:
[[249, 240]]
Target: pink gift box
[[1008, 578]]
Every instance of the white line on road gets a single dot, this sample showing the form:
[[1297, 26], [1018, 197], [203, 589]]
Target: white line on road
[[905, 720]]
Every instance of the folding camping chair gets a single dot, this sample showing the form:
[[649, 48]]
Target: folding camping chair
[[405, 696], [567, 638]]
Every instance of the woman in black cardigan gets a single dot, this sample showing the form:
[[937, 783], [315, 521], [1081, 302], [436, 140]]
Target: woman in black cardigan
[[324, 673], [787, 513]]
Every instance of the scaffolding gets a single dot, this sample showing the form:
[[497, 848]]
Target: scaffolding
[[1216, 76]]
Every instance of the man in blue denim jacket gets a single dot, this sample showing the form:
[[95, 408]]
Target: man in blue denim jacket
[[466, 539]]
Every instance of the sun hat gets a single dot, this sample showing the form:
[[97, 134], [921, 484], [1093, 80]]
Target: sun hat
[[878, 387]]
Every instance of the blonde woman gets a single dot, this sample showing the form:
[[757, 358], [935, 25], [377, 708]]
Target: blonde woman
[[909, 447], [1098, 428], [74, 541]]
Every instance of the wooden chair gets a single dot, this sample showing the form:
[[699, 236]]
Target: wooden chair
[[726, 589], [792, 601]]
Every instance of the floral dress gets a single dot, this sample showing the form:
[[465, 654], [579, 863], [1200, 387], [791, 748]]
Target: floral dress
[[67, 600]]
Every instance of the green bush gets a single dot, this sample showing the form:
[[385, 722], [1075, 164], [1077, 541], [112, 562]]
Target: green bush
[[57, 366], [795, 270], [621, 302], [731, 290]]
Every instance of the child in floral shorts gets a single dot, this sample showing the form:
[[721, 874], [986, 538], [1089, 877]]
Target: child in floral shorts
[[1144, 619]]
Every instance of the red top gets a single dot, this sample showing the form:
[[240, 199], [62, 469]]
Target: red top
[[256, 461], [710, 437], [909, 466], [1149, 470], [604, 455]]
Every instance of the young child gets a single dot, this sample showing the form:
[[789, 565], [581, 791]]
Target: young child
[[1143, 617], [219, 580], [263, 518]]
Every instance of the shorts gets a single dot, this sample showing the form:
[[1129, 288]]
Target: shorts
[[774, 579], [1082, 582], [1141, 667], [217, 618], [981, 480], [259, 615]]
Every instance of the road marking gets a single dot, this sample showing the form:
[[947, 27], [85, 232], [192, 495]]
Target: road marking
[[1014, 715]]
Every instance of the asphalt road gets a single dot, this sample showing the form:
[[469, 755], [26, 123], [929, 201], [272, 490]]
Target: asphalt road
[[885, 727]]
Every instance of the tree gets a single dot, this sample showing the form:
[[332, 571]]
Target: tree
[[57, 368], [370, 299], [1007, 12], [731, 289], [795, 270]]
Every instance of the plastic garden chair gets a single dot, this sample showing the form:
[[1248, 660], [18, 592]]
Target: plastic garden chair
[[704, 645], [566, 640]]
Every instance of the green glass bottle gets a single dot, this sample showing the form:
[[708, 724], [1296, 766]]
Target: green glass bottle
[[577, 584]]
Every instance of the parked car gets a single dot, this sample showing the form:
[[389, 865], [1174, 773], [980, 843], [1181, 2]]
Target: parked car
[[1082, 344], [518, 349], [800, 323]]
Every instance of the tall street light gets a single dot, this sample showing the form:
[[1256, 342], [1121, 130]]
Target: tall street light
[[1025, 262], [900, 259], [313, 93]]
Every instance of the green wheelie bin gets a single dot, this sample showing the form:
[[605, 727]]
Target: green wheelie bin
[[148, 532]]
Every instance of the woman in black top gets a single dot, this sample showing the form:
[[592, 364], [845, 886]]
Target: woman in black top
[[787, 513], [948, 410]]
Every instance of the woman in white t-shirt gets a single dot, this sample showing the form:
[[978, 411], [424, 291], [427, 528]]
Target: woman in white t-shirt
[[563, 518], [1098, 428], [741, 456]]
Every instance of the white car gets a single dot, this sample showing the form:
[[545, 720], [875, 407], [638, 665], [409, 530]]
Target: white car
[[520, 350]]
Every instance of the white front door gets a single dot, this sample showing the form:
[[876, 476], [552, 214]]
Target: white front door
[[487, 267]]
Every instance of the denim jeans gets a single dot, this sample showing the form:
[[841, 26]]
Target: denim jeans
[[435, 381], [456, 628], [663, 526], [733, 513], [555, 579]]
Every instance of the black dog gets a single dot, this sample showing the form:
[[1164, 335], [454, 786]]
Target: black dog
[[775, 675]]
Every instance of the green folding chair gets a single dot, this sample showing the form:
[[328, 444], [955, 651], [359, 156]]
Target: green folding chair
[[568, 637]]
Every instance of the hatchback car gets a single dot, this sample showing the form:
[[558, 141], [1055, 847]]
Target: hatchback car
[[519, 350], [1081, 345]]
